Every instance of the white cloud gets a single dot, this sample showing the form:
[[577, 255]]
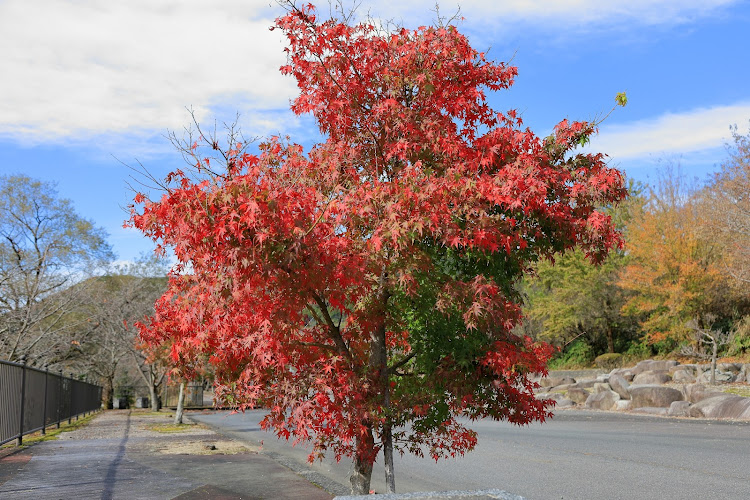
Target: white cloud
[[73, 68], [672, 133], [81, 69]]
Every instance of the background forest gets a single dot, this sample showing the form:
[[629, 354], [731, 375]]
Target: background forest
[[683, 274]]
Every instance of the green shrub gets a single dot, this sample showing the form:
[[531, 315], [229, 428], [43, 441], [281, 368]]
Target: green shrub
[[609, 360], [637, 351], [740, 342], [578, 355]]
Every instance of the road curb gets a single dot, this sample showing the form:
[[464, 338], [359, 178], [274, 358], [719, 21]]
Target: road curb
[[439, 495]]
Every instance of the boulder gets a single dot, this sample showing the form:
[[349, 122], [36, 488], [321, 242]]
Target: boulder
[[604, 400], [689, 367], [683, 376], [698, 392], [555, 381], [619, 385], [651, 377], [654, 395], [578, 394], [664, 364], [559, 388], [679, 409], [625, 373], [554, 396], [642, 366], [654, 365], [602, 379], [622, 405], [586, 383], [722, 406], [721, 377], [601, 387], [729, 367], [744, 375]]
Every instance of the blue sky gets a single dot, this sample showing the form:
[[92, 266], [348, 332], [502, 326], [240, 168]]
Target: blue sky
[[89, 87]]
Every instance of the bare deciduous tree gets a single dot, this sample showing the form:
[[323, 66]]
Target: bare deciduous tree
[[45, 249], [705, 335], [116, 302]]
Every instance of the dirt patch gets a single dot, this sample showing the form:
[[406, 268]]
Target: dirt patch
[[218, 447], [172, 428]]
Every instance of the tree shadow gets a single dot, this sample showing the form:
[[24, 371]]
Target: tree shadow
[[109, 480]]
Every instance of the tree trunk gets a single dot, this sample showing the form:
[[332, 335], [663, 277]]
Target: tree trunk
[[387, 437], [714, 352], [153, 395], [378, 365], [180, 404], [362, 474], [390, 478], [109, 393], [610, 340]]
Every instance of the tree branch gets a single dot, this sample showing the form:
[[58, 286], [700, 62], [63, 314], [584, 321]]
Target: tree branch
[[401, 363], [333, 331]]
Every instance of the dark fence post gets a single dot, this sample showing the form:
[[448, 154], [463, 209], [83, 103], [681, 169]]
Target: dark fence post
[[44, 412], [59, 404], [85, 379], [23, 398], [70, 411]]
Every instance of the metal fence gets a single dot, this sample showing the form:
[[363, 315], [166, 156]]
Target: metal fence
[[32, 400]]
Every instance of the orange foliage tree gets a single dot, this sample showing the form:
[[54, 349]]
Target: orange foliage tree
[[674, 271], [727, 209]]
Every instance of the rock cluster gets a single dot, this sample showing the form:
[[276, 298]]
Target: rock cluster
[[659, 387]]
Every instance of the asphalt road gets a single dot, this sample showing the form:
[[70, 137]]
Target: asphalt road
[[576, 455]]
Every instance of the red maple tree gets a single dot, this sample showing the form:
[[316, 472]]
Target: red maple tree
[[364, 290]]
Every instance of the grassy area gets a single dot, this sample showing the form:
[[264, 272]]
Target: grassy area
[[52, 432], [170, 428], [149, 413], [738, 390]]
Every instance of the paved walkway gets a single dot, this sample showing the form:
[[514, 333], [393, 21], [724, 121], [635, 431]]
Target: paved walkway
[[121, 455]]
